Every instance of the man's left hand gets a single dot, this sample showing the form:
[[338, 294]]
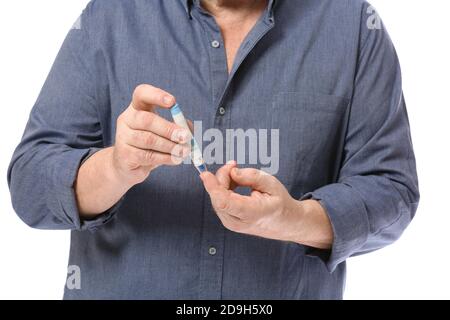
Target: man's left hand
[[269, 211]]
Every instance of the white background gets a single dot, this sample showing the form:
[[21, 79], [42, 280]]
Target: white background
[[33, 263]]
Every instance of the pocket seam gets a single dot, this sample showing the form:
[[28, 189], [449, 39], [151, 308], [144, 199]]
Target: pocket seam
[[302, 101]]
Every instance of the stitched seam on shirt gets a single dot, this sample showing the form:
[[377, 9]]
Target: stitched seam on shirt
[[364, 42], [209, 58], [93, 76], [383, 228], [202, 236], [372, 136], [390, 225], [305, 275]]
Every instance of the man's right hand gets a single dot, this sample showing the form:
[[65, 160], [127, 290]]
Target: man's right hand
[[145, 140]]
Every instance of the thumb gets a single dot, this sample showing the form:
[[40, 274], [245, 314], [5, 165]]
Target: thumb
[[210, 182], [147, 97], [223, 175], [255, 179]]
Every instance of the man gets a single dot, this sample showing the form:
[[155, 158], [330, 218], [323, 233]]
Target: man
[[323, 74]]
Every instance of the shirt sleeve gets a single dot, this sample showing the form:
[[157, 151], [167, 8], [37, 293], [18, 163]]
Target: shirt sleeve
[[376, 195], [63, 131]]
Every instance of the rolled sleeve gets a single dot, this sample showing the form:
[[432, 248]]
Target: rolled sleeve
[[64, 205], [347, 216], [64, 129], [376, 194]]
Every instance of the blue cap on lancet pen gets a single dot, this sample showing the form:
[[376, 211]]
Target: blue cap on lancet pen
[[196, 154]]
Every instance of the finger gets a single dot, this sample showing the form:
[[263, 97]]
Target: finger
[[258, 195], [223, 174], [235, 205], [226, 201], [190, 125], [211, 183], [147, 97], [243, 207], [150, 141], [218, 194], [149, 121], [255, 179], [151, 158]]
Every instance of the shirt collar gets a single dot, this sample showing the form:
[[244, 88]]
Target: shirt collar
[[188, 6]]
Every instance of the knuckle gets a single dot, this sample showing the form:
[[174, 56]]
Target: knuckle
[[255, 174], [149, 156], [149, 140], [222, 205], [134, 136], [139, 91], [170, 131], [240, 214], [177, 150], [140, 120], [133, 155], [147, 118], [262, 179]]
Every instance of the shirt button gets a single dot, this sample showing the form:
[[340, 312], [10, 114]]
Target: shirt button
[[212, 251], [222, 111], [215, 44]]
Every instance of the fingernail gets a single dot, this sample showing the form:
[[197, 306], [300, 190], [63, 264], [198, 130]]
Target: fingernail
[[168, 100], [231, 162], [182, 136]]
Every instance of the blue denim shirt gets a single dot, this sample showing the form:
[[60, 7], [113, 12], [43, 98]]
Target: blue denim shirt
[[323, 72]]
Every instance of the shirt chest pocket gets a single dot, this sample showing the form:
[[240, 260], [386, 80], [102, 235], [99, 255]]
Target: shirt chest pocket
[[311, 132]]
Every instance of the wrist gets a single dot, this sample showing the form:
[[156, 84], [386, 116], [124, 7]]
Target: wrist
[[98, 186], [116, 176], [293, 221], [310, 224]]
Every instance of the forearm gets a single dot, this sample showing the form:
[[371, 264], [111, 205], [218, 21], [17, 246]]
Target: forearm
[[98, 186], [310, 225]]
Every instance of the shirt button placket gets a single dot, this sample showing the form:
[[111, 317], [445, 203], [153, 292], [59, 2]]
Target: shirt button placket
[[213, 233]]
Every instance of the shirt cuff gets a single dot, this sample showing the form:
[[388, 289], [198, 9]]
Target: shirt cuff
[[64, 204], [347, 213]]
